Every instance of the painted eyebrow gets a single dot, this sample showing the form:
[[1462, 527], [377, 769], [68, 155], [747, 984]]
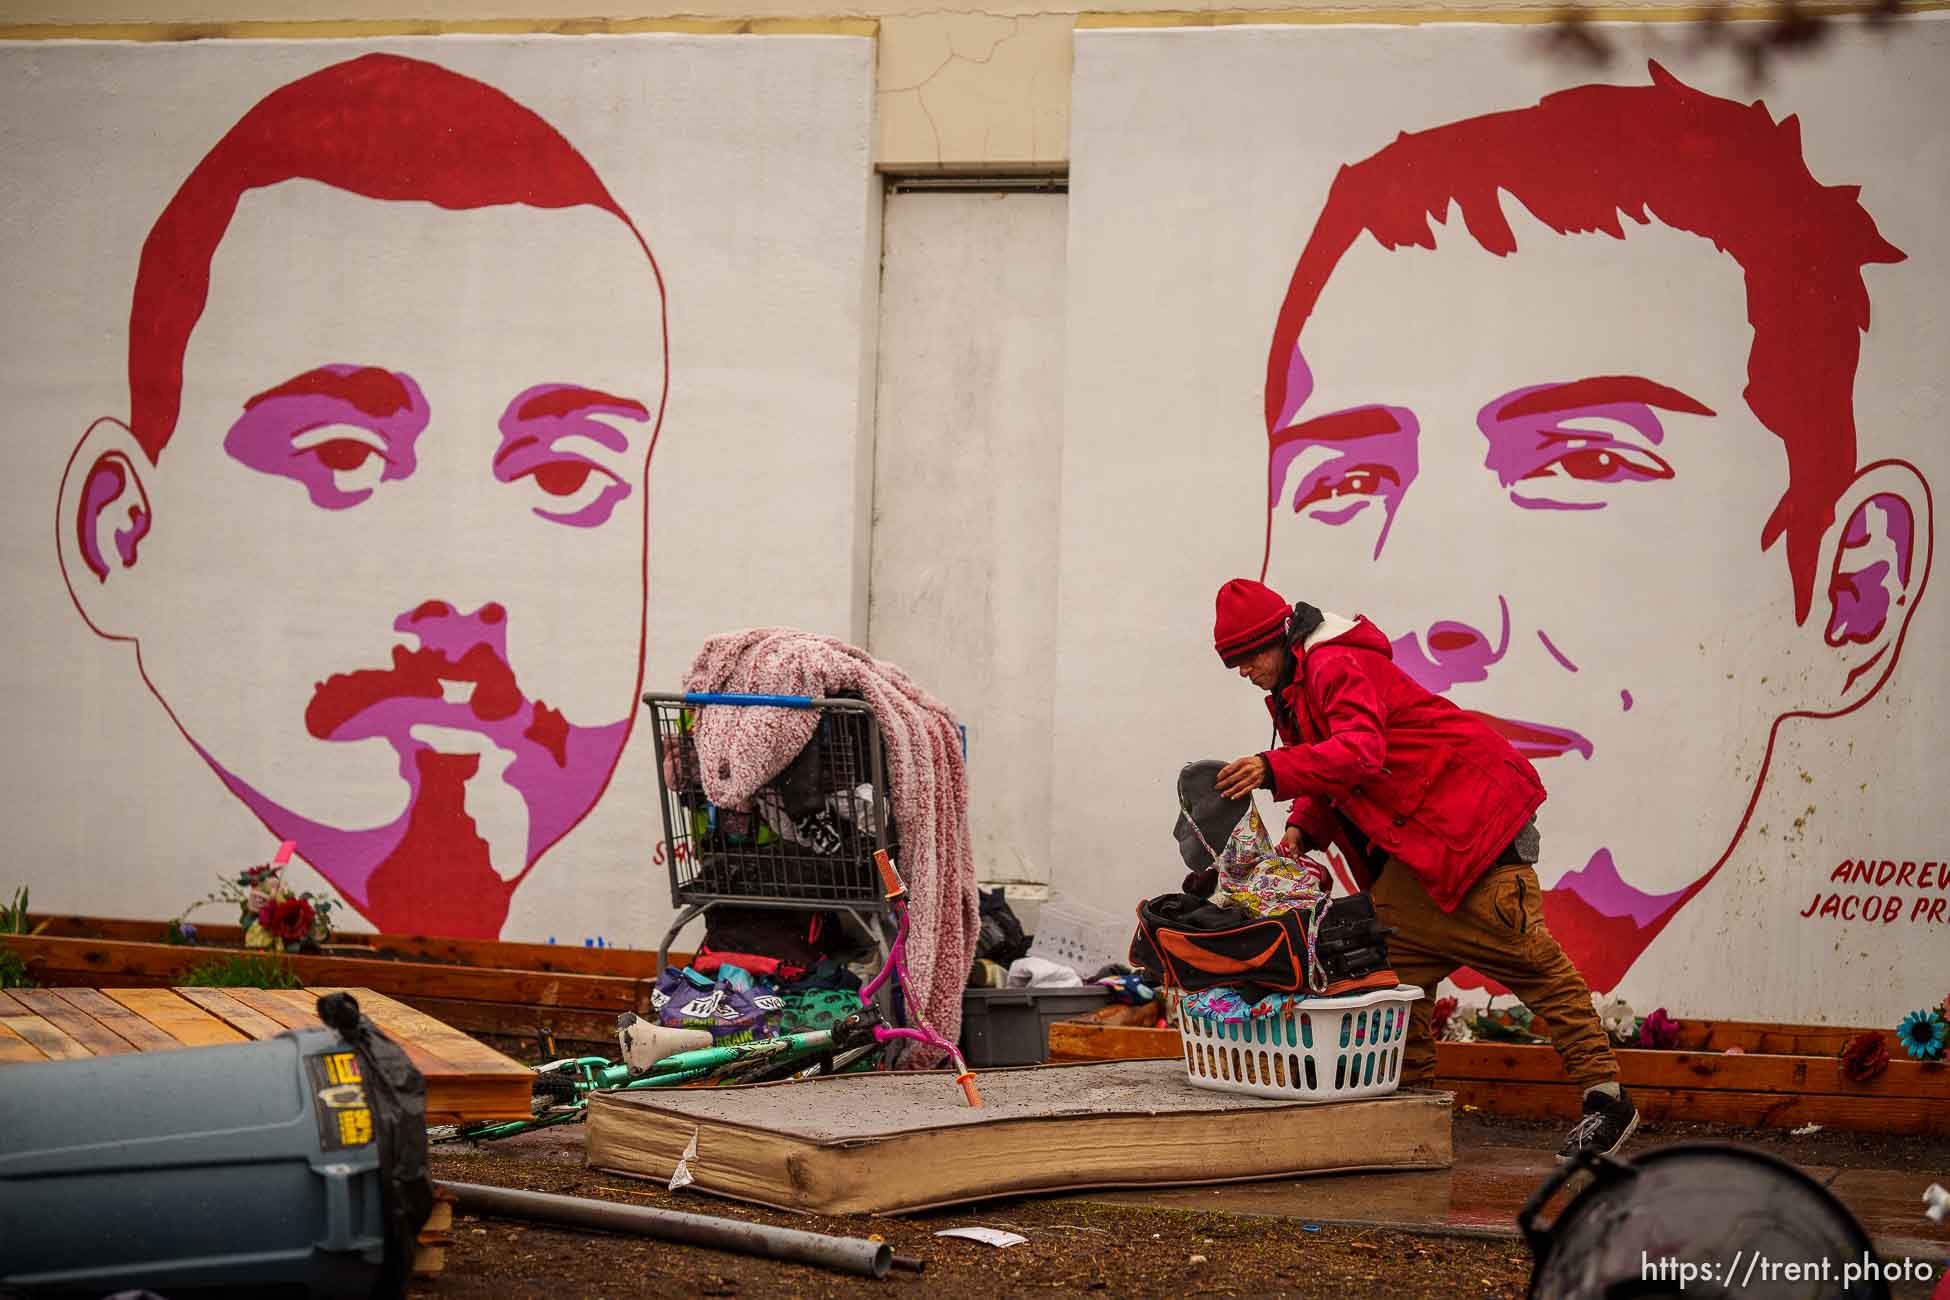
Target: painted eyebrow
[[1341, 426], [368, 389], [569, 398], [1600, 390]]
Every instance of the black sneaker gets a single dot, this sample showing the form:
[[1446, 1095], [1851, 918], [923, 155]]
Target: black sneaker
[[1607, 1122]]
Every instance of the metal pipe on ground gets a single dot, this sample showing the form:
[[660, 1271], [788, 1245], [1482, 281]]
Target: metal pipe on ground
[[854, 1255]]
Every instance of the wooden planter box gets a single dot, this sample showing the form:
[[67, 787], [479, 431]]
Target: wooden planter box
[[515, 990], [1763, 1086], [1526, 1081]]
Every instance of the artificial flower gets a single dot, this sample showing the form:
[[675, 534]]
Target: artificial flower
[[1620, 1021], [1923, 1034], [288, 918], [1863, 1057], [272, 913], [1440, 1015], [1458, 1030], [1659, 1031]]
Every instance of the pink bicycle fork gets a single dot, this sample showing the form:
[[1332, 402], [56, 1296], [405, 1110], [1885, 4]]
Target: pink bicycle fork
[[896, 964]]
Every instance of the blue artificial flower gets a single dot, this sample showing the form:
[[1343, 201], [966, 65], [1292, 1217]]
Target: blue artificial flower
[[1923, 1034], [188, 930]]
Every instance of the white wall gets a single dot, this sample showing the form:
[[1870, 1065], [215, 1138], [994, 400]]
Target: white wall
[[1079, 509], [970, 423], [745, 163], [1201, 159]]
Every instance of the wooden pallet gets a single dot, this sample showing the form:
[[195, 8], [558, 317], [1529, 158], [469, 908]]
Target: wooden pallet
[[566, 1000], [466, 1080], [1755, 1088]]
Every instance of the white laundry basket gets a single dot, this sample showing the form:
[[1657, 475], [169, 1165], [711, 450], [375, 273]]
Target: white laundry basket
[[1321, 1049]]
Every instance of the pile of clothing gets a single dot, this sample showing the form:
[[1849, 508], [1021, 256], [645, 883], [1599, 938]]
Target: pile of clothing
[[741, 751], [735, 1006], [1254, 927]]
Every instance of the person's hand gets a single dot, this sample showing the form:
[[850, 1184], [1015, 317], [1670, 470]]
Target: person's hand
[[1290, 842], [1242, 776]]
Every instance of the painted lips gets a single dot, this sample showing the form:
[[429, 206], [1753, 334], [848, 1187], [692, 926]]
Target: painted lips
[[417, 674], [1534, 739]]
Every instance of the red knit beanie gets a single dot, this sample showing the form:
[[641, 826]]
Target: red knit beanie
[[1251, 616]]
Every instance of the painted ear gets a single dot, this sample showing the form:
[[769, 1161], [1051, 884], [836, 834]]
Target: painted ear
[[101, 522], [1876, 560]]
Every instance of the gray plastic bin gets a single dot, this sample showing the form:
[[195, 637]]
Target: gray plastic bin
[[1011, 1026], [250, 1166]]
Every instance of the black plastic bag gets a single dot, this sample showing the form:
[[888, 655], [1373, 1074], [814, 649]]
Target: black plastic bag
[[1001, 939], [396, 1092]]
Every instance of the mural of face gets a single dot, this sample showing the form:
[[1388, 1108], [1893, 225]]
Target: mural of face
[[411, 452], [1520, 457]]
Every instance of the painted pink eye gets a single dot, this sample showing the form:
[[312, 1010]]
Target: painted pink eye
[[562, 478], [1361, 481], [344, 453], [1604, 465]]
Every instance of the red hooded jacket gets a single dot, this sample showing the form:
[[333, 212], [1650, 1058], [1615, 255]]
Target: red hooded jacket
[[1366, 747]]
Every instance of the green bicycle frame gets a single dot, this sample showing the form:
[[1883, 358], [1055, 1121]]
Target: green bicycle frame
[[595, 1074], [687, 1066]]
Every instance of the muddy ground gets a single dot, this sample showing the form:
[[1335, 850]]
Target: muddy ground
[[1075, 1247]]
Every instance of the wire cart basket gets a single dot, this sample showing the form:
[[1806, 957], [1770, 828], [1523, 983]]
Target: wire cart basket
[[807, 843]]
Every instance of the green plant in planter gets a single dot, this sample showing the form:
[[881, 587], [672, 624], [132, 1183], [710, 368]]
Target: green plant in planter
[[13, 916], [247, 971], [13, 971]]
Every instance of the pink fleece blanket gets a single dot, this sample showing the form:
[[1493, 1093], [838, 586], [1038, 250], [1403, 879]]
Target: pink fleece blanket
[[739, 749]]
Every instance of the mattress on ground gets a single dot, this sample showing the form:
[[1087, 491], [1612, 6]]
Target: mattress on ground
[[889, 1143]]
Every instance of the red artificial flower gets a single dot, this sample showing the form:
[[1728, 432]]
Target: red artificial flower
[[287, 918], [1863, 1057], [1444, 1008], [1659, 1031]]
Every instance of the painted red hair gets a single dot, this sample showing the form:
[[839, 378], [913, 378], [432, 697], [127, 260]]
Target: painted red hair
[[1581, 159], [381, 126]]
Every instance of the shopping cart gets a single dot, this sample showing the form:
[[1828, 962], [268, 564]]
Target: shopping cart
[[809, 839]]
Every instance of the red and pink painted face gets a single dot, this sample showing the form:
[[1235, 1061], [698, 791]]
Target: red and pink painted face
[[340, 430], [412, 457], [1539, 473]]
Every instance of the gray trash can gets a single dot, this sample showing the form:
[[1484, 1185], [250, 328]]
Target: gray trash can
[[251, 1166]]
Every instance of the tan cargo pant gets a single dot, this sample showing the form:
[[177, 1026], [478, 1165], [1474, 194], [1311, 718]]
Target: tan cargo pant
[[1498, 929]]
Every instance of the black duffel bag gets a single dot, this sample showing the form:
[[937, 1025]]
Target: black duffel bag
[[1189, 943]]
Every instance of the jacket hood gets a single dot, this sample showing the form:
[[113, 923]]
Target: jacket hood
[[1356, 633]]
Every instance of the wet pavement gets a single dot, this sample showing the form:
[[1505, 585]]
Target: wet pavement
[[1481, 1194]]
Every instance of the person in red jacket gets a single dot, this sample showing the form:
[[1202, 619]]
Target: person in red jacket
[[1435, 815]]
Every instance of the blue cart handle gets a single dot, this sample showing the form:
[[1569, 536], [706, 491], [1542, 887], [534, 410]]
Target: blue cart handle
[[732, 697]]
